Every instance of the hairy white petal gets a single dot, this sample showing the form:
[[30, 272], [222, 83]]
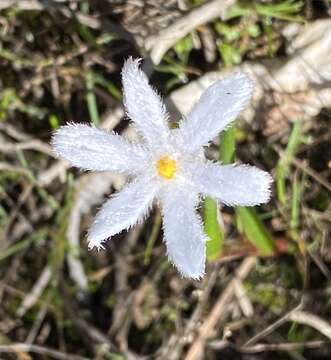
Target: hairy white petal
[[183, 231], [90, 148], [232, 185], [143, 104], [122, 211], [218, 106]]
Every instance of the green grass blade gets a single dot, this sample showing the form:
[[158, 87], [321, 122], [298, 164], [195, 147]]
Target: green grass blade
[[280, 182], [91, 99], [213, 229], [294, 140], [183, 47], [20, 245], [54, 121], [286, 10], [283, 165], [108, 85], [227, 145], [255, 231], [152, 238], [296, 201]]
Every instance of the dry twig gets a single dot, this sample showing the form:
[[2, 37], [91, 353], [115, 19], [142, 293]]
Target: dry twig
[[41, 350], [314, 321], [35, 145], [261, 347]]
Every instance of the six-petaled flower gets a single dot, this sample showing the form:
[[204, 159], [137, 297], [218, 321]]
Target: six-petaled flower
[[167, 165]]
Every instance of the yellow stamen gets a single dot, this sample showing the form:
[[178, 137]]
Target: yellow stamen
[[166, 167]]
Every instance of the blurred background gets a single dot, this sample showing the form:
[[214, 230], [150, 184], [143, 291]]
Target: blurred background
[[266, 293]]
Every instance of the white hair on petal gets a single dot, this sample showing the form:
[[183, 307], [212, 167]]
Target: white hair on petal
[[90, 148], [144, 106], [217, 107]]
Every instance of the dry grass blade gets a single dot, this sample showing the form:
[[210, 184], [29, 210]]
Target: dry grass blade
[[35, 292], [195, 352], [90, 190]]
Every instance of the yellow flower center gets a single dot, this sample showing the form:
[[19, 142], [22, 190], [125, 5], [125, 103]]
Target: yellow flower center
[[166, 167]]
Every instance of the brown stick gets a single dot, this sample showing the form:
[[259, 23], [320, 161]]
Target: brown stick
[[42, 350], [258, 348]]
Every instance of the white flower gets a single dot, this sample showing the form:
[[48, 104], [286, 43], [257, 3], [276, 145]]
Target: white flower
[[169, 165]]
